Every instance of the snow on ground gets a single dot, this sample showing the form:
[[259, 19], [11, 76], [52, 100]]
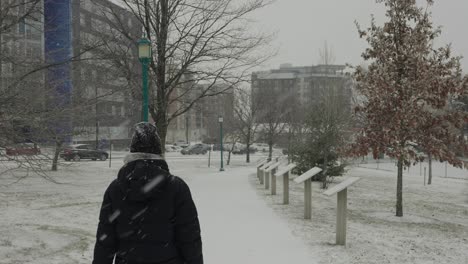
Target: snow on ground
[[46, 223], [433, 230], [439, 169]]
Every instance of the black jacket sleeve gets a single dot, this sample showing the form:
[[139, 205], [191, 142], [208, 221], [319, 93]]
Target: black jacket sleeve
[[187, 226], [106, 236]]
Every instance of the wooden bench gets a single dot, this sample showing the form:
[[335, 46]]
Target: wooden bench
[[341, 208]]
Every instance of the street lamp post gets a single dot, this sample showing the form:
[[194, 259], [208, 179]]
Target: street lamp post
[[144, 54], [221, 120]]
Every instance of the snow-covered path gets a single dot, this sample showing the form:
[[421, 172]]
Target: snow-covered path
[[47, 223], [238, 227]]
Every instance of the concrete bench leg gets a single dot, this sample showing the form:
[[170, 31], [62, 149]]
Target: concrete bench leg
[[273, 182], [267, 180], [286, 188], [341, 217], [308, 199]]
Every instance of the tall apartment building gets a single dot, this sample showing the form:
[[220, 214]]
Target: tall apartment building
[[96, 27], [21, 44], [90, 26], [304, 83]]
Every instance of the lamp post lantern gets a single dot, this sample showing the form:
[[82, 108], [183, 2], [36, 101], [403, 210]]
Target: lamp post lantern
[[144, 54], [221, 120]]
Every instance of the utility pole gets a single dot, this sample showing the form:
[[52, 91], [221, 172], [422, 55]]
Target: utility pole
[[221, 120], [96, 116], [144, 54]]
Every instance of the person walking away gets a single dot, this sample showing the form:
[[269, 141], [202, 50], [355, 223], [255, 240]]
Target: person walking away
[[148, 215]]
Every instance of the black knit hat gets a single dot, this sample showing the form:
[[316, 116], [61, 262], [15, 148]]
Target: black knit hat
[[146, 139]]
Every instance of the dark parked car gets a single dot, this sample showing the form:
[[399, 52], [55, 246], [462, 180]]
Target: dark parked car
[[83, 151], [23, 149], [196, 149]]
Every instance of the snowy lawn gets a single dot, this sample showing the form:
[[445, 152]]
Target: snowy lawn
[[47, 223], [433, 230]]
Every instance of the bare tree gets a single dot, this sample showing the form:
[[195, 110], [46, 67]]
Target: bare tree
[[274, 104], [245, 113], [28, 109], [326, 54], [194, 42]]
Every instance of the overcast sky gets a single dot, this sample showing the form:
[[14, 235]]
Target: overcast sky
[[302, 26]]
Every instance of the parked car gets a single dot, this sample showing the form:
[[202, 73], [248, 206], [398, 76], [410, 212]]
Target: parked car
[[243, 150], [263, 147], [181, 144], [23, 149], [196, 149], [172, 148], [83, 151]]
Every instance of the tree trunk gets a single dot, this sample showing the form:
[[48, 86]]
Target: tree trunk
[[187, 127], [429, 181], [162, 126], [247, 158], [229, 158], [58, 147], [289, 144], [399, 203], [270, 149], [324, 173]]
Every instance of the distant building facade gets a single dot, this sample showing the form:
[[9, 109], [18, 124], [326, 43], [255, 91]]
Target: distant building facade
[[95, 76], [92, 77], [21, 45], [200, 123], [303, 83]]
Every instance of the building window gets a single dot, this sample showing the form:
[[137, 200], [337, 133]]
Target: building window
[[94, 75], [29, 52], [83, 20], [83, 74], [130, 23], [6, 69], [84, 4], [113, 110], [94, 24], [122, 111]]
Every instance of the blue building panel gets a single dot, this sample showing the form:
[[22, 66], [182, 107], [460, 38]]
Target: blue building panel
[[58, 50]]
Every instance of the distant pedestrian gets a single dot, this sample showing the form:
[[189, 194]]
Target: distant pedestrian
[[148, 215]]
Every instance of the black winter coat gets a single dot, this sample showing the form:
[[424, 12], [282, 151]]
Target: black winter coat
[[148, 216]]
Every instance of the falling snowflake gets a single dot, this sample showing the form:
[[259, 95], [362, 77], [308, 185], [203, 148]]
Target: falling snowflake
[[139, 213], [114, 216], [152, 184]]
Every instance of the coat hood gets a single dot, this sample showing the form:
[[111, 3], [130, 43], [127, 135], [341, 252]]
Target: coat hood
[[143, 176]]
